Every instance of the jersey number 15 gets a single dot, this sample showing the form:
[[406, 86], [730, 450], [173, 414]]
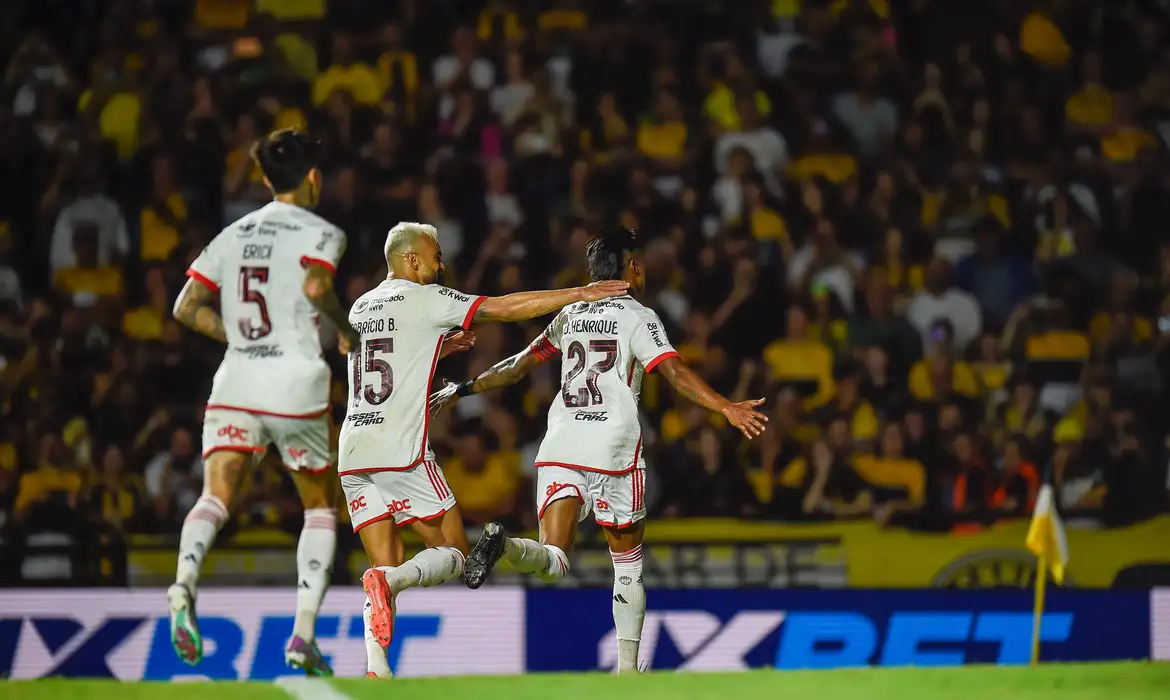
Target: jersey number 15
[[373, 394]]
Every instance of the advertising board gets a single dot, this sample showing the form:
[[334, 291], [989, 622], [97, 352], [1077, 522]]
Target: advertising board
[[125, 633]]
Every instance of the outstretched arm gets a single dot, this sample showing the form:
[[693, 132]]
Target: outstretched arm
[[522, 306], [319, 291], [743, 415], [195, 309], [503, 373]]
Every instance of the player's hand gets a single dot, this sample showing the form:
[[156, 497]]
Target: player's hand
[[457, 341], [745, 417], [604, 290], [443, 398], [347, 340]]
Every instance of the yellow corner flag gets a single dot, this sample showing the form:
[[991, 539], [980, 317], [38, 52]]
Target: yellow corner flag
[[1046, 540]]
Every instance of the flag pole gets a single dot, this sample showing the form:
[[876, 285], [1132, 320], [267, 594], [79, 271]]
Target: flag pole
[[1038, 603]]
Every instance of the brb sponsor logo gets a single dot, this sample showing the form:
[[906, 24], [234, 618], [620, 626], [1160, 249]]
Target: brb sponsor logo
[[245, 632], [696, 640], [233, 434]]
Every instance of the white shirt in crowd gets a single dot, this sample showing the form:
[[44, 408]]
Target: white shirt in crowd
[[99, 210], [954, 305], [444, 70]]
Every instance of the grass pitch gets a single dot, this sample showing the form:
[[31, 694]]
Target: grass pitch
[[1120, 681]]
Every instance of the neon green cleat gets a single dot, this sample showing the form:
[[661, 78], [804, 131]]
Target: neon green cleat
[[185, 635]]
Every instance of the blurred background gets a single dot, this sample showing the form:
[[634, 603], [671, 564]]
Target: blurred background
[[932, 233]]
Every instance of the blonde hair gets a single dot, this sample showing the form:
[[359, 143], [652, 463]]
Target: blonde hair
[[404, 235]]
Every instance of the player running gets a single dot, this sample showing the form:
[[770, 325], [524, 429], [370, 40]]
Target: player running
[[273, 273], [591, 456], [388, 471]]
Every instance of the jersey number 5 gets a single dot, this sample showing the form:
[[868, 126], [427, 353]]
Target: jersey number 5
[[373, 365], [250, 276], [590, 394]]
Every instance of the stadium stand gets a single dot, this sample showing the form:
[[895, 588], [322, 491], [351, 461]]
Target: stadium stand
[[931, 232]]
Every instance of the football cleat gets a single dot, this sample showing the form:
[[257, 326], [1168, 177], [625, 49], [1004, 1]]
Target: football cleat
[[381, 606], [306, 656], [484, 555], [185, 637]]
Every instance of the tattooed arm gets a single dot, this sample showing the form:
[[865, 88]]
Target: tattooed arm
[[195, 309], [503, 373], [743, 415], [320, 293]]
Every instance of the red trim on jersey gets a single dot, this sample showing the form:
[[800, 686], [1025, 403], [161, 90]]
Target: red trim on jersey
[[426, 426], [579, 467], [471, 312], [544, 349], [375, 470], [424, 518], [202, 279], [655, 362], [551, 498], [225, 407], [308, 470], [306, 261], [233, 448], [616, 526], [371, 521]]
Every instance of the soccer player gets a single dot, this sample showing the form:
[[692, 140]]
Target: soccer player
[[273, 273], [591, 457], [388, 471]]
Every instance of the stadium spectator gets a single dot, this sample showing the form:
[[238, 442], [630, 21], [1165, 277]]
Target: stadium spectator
[[935, 245]]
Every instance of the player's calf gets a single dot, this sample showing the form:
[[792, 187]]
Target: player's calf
[[315, 553], [629, 606]]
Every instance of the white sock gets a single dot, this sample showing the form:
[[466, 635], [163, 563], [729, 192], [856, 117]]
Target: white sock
[[315, 551], [547, 562], [199, 530], [429, 567], [375, 655], [629, 606]]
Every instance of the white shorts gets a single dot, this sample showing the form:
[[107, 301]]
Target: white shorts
[[419, 493], [616, 500], [303, 442]]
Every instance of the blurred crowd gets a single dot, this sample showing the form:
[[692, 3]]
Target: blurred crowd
[[929, 232]]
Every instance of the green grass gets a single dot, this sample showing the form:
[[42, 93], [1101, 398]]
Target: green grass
[[1121, 681]]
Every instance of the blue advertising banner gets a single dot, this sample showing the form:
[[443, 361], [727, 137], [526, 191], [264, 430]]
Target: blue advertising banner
[[125, 634], [725, 630]]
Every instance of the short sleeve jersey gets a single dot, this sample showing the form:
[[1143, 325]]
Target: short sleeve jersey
[[606, 348], [402, 325], [273, 362]]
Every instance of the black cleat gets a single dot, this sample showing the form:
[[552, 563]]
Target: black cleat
[[484, 555]]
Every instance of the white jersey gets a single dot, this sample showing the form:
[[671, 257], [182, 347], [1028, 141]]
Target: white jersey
[[402, 326], [273, 363], [606, 347]]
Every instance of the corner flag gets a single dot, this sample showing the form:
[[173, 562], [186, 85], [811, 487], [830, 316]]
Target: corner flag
[[1046, 540], [1046, 537]]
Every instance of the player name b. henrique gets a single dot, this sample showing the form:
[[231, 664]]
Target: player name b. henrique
[[599, 326]]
